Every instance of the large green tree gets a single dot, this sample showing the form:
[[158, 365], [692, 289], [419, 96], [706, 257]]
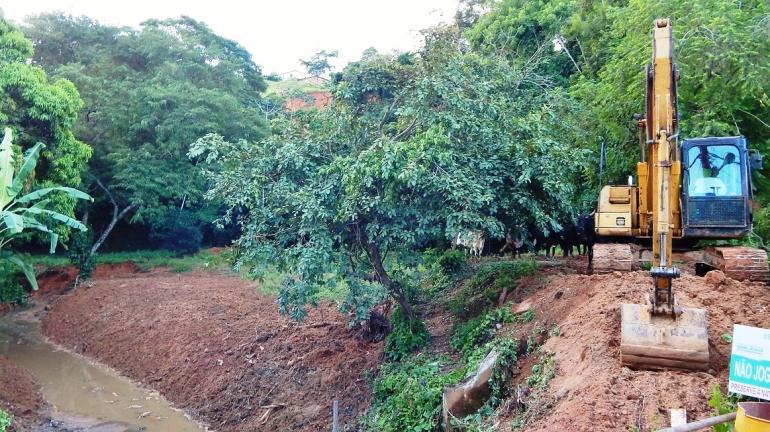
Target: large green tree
[[149, 93], [415, 148], [40, 110], [722, 48]]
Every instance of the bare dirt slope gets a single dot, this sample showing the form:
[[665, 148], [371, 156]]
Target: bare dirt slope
[[20, 396], [591, 391], [215, 347]]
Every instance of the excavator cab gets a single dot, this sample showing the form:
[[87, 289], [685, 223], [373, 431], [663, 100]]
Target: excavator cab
[[716, 188]]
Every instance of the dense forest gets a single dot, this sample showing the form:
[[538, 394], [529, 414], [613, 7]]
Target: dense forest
[[496, 121]]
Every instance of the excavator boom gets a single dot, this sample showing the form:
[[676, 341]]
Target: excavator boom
[[660, 333]]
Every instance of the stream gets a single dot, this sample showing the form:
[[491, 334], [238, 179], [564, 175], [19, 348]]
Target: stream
[[86, 396]]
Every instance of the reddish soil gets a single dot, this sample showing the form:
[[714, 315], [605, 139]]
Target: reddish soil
[[591, 390], [215, 347], [20, 396]]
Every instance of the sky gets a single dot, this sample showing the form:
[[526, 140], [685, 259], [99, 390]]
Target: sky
[[277, 32]]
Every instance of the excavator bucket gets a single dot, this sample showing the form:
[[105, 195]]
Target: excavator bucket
[[662, 342]]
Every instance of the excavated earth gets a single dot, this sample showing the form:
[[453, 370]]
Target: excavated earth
[[591, 391], [20, 396], [214, 346]]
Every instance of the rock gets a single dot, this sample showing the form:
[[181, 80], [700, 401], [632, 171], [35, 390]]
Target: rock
[[471, 394], [715, 277], [562, 393], [522, 307]]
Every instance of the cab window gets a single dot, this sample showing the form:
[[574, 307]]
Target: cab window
[[714, 171]]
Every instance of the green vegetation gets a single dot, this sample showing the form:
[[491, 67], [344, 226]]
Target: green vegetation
[[11, 288], [537, 383], [28, 211], [406, 336], [723, 405], [466, 336], [148, 94], [485, 286], [407, 395], [148, 260], [5, 420], [41, 110]]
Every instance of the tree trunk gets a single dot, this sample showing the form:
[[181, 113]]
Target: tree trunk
[[382, 277], [117, 215]]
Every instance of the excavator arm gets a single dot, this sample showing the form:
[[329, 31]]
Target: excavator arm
[[660, 333]]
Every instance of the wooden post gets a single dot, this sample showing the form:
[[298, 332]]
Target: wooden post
[[678, 417], [336, 416]]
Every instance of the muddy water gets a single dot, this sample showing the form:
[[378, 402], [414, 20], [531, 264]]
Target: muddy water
[[87, 396]]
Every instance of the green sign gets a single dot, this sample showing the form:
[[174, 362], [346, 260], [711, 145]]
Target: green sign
[[750, 362]]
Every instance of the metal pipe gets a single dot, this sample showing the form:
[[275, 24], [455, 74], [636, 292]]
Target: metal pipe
[[700, 424]]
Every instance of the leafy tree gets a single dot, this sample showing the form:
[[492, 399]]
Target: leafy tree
[[40, 110], [415, 149], [319, 64], [149, 93], [29, 211], [722, 50]]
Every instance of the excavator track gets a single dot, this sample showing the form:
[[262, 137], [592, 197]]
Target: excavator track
[[610, 257], [739, 263]]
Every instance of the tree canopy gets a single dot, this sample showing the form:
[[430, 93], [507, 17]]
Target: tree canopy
[[415, 149], [149, 93], [40, 110]]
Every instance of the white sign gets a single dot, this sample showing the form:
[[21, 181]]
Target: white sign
[[750, 362]]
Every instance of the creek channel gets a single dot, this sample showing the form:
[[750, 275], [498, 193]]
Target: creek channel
[[85, 396]]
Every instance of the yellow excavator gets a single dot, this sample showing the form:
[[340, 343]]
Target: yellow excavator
[[693, 190]]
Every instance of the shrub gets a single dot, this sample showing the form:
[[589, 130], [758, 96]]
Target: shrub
[[11, 288], [5, 420], [407, 395], [484, 288], [80, 253], [407, 336], [452, 262], [466, 336]]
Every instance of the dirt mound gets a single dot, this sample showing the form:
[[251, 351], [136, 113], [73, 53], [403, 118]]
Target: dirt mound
[[591, 391], [56, 280], [20, 396], [215, 347]]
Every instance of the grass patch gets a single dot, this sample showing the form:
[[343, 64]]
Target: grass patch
[[148, 260]]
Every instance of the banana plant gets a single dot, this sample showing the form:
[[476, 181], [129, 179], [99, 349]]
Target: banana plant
[[28, 212]]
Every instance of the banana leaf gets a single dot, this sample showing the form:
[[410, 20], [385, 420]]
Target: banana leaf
[[70, 222], [71, 192], [27, 269], [13, 221], [26, 168], [6, 167]]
